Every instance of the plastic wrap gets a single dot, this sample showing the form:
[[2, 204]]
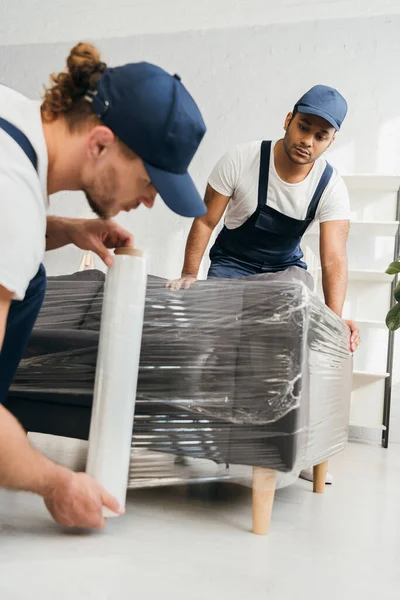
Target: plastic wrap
[[233, 374], [117, 374]]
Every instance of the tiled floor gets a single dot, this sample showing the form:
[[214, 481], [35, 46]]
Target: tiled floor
[[176, 543]]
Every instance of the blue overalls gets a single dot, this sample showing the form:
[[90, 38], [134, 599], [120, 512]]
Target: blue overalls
[[22, 315], [268, 241]]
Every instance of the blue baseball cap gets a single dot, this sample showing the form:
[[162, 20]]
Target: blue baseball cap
[[153, 114], [325, 102]]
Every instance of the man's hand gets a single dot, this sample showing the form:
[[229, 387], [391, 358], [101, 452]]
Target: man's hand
[[183, 282], [354, 335], [77, 500], [96, 235]]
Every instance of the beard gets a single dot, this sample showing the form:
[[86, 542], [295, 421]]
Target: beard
[[100, 193], [290, 149], [94, 206]]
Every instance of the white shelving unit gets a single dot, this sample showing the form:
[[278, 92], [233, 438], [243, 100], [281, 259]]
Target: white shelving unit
[[373, 244], [368, 275], [383, 228]]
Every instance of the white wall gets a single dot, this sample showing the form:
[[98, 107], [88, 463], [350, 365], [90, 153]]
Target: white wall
[[245, 81], [246, 63], [37, 21]]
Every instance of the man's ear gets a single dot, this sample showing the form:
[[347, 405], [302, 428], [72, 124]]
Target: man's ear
[[99, 141], [287, 121]]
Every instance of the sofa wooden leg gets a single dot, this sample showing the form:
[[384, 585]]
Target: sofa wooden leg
[[264, 483], [320, 477]]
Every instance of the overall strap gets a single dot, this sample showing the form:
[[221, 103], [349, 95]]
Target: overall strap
[[264, 173], [323, 182], [21, 140]]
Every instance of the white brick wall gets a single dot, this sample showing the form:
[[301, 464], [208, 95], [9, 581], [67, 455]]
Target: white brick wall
[[36, 21], [245, 81]]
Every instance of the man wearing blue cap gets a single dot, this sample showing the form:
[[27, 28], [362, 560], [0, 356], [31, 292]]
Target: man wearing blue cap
[[272, 192], [119, 135]]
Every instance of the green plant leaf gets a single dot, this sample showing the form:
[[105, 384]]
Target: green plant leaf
[[393, 268], [393, 318], [397, 292]]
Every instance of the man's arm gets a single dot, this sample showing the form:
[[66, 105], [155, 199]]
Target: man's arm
[[20, 466], [73, 499], [57, 233], [199, 237], [333, 239]]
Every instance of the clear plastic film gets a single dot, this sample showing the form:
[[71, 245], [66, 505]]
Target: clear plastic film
[[233, 374], [117, 374]]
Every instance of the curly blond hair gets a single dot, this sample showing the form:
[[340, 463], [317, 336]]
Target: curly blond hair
[[66, 94]]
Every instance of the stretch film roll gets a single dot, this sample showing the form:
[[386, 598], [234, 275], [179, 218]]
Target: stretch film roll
[[117, 373]]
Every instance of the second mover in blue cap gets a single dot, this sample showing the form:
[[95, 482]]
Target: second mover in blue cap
[[155, 116]]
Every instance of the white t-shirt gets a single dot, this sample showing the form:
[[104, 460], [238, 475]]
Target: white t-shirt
[[23, 194], [237, 173]]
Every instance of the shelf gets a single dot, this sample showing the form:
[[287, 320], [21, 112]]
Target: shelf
[[372, 196], [378, 276], [369, 375], [374, 183], [383, 228], [367, 426], [379, 228], [369, 323], [366, 275]]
